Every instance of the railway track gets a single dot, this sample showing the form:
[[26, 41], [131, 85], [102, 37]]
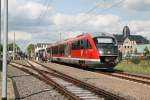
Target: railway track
[[128, 76], [70, 87]]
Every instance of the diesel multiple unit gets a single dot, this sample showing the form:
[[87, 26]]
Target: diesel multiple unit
[[98, 50]]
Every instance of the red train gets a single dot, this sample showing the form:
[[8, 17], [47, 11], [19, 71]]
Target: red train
[[86, 50]]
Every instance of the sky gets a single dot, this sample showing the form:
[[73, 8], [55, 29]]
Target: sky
[[42, 21]]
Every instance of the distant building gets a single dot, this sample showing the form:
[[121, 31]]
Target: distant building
[[40, 47], [126, 41]]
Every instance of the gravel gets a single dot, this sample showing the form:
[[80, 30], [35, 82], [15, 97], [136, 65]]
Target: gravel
[[122, 87], [27, 87]]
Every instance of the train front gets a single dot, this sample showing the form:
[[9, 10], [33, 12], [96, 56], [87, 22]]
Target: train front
[[107, 49]]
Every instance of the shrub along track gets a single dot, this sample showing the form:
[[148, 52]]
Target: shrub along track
[[70, 87]]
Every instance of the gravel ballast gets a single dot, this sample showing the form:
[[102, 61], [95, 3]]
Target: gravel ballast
[[118, 86], [27, 87]]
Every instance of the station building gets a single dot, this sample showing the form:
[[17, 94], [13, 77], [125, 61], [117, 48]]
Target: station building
[[39, 48], [127, 42]]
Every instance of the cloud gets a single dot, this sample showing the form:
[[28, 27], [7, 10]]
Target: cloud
[[25, 20], [23, 36], [24, 17], [131, 5], [139, 26], [87, 22], [28, 15], [137, 5], [26, 9]]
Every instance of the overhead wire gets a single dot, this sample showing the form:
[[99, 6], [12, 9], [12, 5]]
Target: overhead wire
[[41, 11], [95, 7], [92, 9], [47, 3], [114, 5], [41, 16]]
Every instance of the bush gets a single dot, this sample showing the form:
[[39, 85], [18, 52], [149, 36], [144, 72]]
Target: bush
[[135, 60], [120, 57]]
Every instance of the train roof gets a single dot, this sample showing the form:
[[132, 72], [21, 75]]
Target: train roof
[[101, 34], [92, 34]]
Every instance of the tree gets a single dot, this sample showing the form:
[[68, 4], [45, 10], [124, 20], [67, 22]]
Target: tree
[[146, 51], [30, 49], [1, 49], [135, 51], [120, 56], [10, 47]]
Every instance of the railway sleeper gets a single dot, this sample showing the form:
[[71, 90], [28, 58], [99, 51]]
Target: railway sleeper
[[103, 94]]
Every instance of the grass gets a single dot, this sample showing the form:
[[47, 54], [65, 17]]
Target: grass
[[142, 68]]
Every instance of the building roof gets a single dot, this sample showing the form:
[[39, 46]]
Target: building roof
[[126, 34], [120, 38], [138, 38], [126, 31], [41, 44]]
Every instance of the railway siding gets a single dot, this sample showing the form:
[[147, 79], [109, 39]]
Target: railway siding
[[121, 87]]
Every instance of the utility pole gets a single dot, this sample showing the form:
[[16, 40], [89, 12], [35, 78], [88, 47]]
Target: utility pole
[[14, 49], [60, 36], [5, 38], [0, 22]]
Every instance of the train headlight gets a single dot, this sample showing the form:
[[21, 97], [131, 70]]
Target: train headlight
[[108, 52], [101, 52]]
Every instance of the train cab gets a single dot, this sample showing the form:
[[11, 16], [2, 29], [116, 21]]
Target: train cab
[[107, 47]]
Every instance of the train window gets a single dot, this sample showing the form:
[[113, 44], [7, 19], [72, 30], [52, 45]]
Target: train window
[[105, 40], [62, 50], [75, 45], [72, 47], [81, 45], [88, 45], [78, 45], [66, 49], [54, 50]]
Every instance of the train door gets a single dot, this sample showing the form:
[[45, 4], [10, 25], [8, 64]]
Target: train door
[[75, 50], [87, 49], [67, 50], [83, 49]]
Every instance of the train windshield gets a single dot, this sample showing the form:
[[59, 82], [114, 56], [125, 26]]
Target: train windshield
[[106, 45], [104, 40]]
